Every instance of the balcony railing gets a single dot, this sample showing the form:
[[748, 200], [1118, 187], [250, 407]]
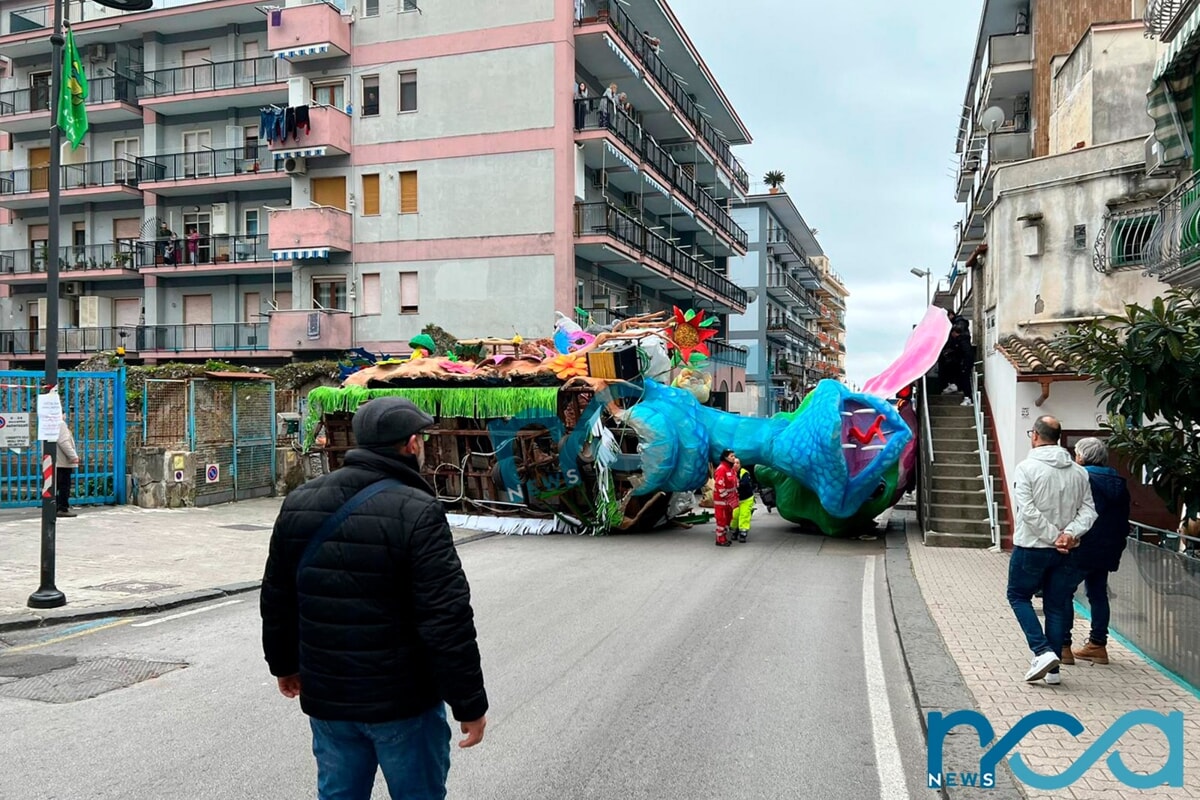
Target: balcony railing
[[1009, 48], [628, 131], [728, 354], [786, 325], [73, 258], [143, 339], [111, 89], [633, 38], [208, 163], [214, 76], [117, 172], [1175, 242], [1164, 18], [208, 250], [601, 219], [785, 282]]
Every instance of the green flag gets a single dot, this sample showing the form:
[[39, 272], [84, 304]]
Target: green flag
[[72, 93]]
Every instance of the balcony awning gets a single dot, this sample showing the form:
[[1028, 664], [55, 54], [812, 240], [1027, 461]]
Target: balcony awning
[[292, 255], [301, 52], [679, 204], [300, 152], [1169, 104], [616, 48], [1182, 49], [655, 185], [619, 156]]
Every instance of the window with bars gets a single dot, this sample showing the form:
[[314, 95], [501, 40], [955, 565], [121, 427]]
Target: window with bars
[[1126, 240], [408, 192]]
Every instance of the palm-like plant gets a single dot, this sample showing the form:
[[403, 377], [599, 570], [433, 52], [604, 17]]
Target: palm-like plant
[[774, 179]]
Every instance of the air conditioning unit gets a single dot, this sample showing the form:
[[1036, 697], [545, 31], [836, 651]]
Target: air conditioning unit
[[294, 166], [601, 179], [1156, 166], [72, 288], [97, 52]]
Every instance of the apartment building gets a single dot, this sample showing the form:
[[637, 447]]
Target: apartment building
[[787, 326], [268, 183]]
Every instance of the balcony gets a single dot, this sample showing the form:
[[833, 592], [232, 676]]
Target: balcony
[[329, 135], [1165, 18], [1008, 146], [1173, 252], [613, 18], [784, 245], [309, 33], [110, 99], [313, 232], [726, 354], [305, 330], [89, 182], [215, 254], [1009, 66], [142, 340], [649, 258], [216, 86], [231, 169], [96, 260], [663, 164], [784, 287], [786, 325]]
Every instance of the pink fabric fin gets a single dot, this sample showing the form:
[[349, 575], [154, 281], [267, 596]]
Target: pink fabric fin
[[920, 354]]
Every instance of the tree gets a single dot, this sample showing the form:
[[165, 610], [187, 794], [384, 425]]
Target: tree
[[1147, 367]]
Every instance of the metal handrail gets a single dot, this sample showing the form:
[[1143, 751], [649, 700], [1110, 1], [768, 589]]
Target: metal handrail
[[989, 485], [927, 459]]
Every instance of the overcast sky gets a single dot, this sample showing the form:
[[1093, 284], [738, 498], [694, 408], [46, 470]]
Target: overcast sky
[[858, 104]]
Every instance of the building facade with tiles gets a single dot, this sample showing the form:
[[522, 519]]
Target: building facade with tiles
[[262, 183]]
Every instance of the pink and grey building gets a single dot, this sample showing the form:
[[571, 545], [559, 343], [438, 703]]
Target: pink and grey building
[[447, 174]]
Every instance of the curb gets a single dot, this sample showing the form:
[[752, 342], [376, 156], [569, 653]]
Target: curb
[[936, 683], [54, 616]]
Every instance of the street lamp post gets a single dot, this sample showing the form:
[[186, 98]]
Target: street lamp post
[[48, 595], [927, 274]]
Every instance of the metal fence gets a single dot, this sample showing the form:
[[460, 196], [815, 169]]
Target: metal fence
[[231, 427], [165, 413]]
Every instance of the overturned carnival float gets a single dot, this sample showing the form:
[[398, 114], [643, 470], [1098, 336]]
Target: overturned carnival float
[[607, 429]]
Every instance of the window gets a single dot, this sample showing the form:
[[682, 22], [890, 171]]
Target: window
[[1126, 240], [329, 293], [250, 143], [408, 90], [371, 8], [408, 192], [250, 222], [370, 96], [371, 301], [409, 5], [1080, 237], [370, 195], [329, 94], [409, 293]]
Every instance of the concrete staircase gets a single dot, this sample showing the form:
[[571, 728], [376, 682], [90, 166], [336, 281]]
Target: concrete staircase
[[958, 514]]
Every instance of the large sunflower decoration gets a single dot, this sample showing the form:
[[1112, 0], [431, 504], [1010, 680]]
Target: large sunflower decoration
[[688, 337]]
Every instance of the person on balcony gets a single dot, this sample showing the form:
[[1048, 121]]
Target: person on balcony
[[608, 105], [1099, 553], [193, 246], [581, 105]]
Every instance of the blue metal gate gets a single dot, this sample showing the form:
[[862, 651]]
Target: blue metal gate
[[231, 428], [94, 405]]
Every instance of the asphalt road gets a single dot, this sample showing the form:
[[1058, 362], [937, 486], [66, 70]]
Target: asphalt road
[[636, 666]]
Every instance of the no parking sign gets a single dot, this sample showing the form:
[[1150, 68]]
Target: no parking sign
[[212, 473]]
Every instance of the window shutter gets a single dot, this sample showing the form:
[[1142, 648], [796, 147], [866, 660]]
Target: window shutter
[[408, 192], [372, 302], [370, 191], [409, 299]]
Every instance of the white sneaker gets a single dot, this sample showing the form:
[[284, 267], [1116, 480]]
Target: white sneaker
[[966, 403], [1054, 678], [1040, 665], [950, 389]]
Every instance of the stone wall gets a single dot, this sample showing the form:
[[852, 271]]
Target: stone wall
[[154, 470]]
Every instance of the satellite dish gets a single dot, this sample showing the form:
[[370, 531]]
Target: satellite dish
[[991, 119], [127, 5], [751, 295]]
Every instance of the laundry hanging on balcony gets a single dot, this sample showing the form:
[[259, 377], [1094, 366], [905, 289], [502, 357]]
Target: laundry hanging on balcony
[[276, 124]]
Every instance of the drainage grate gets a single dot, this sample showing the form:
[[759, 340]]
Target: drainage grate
[[29, 665], [246, 527], [133, 587], [86, 679]]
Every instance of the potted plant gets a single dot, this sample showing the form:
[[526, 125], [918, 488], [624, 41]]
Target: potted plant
[[774, 179]]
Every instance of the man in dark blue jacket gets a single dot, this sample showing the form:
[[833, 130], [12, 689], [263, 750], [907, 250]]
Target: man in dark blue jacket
[[1099, 552], [368, 618]]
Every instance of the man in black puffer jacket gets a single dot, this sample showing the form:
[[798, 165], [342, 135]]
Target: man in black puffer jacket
[[371, 626]]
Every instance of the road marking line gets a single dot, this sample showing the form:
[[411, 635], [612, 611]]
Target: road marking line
[[185, 614], [892, 785], [58, 639]]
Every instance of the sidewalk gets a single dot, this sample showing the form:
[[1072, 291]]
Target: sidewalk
[[124, 559], [965, 592]]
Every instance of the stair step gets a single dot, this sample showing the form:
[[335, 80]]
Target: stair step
[[977, 526], [960, 459], [938, 539], [948, 445]]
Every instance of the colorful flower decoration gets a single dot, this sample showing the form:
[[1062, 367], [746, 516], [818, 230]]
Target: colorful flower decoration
[[689, 334], [456, 366], [566, 367]]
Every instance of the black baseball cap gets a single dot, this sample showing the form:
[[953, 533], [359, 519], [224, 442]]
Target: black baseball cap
[[387, 421]]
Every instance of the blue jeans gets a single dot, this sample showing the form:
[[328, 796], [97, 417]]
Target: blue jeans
[[1031, 569], [1095, 584], [413, 753]]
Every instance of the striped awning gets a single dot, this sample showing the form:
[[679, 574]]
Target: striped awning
[[679, 204], [1182, 49], [619, 156], [301, 52], [616, 48], [655, 185], [1169, 104], [300, 152], [292, 255]]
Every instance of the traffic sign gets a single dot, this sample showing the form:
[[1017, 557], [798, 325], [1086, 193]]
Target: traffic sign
[[179, 476], [14, 431], [212, 473]]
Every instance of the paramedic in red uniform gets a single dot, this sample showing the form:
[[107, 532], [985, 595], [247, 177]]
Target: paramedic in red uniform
[[725, 495]]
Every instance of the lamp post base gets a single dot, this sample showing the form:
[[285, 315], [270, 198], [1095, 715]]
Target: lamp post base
[[47, 598]]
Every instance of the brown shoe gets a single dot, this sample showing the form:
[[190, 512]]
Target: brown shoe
[[1095, 653], [1068, 657]]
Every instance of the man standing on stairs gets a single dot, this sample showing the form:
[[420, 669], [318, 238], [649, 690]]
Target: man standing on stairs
[[1054, 508]]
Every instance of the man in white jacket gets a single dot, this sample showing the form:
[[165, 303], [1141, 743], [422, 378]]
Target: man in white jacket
[[1054, 508]]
